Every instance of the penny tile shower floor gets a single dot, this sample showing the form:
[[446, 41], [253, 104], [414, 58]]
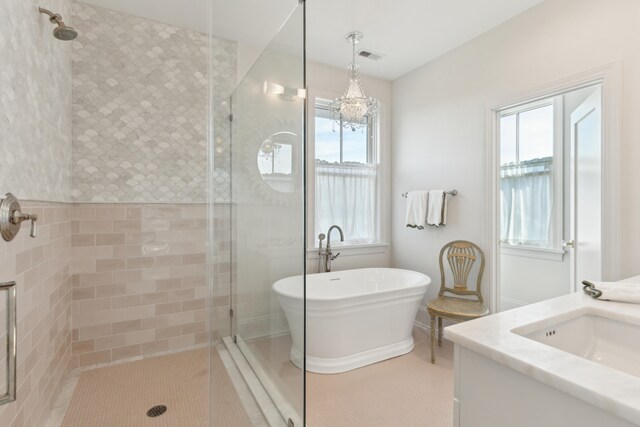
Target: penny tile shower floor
[[121, 395]]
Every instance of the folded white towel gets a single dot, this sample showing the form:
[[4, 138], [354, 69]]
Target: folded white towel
[[618, 291], [437, 210], [416, 209]]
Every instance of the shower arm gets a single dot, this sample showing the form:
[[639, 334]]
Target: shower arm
[[62, 31], [55, 18]]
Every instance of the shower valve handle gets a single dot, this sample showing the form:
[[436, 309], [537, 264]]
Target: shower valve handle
[[11, 217], [18, 217]]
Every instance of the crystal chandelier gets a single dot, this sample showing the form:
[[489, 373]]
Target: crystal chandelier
[[353, 109], [269, 149]]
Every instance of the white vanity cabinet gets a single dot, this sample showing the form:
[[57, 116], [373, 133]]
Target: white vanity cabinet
[[506, 375], [490, 394]]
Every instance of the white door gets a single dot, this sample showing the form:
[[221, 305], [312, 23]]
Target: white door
[[585, 244]]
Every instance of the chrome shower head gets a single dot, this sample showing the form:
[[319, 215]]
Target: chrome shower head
[[62, 31]]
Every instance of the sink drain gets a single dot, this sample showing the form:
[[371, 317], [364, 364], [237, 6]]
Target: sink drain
[[156, 411]]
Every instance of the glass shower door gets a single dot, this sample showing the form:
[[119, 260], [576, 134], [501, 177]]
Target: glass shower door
[[267, 217]]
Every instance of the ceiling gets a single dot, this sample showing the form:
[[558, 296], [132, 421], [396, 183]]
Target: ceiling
[[408, 33]]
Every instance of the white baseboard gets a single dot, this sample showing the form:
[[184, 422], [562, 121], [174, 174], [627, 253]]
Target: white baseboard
[[422, 326], [427, 327]]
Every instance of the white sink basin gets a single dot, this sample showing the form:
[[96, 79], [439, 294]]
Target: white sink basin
[[591, 336]]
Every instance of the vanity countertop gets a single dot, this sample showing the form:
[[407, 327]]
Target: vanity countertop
[[609, 389]]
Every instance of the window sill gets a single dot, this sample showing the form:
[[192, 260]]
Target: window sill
[[532, 252], [352, 250]]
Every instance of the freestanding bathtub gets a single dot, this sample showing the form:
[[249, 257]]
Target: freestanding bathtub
[[354, 317]]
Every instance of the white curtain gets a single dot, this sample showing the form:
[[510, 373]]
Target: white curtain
[[346, 195], [526, 193]]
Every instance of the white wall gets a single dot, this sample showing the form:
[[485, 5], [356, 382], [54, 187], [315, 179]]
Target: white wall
[[246, 56], [438, 115], [525, 280]]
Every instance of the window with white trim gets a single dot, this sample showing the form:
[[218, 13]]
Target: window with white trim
[[346, 178], [531, 174]]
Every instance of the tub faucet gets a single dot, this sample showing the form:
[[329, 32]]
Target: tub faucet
[[321, 237], [327, 254]]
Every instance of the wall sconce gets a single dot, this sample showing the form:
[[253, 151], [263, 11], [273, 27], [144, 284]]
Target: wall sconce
[[284, 93]]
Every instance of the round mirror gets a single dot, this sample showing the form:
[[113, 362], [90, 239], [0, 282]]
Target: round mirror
[[278, 162]]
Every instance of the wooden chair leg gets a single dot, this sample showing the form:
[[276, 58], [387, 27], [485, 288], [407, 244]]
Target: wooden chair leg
[[433, 339], [439, 331]]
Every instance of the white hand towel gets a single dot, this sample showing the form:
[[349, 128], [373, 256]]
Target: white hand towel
[[437, 210], [416, 209], [617, 291]]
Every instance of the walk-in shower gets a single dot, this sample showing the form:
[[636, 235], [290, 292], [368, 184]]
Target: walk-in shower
[[169, 197]]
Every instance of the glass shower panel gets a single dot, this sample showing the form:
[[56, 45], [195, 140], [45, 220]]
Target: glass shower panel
[[267, 214]]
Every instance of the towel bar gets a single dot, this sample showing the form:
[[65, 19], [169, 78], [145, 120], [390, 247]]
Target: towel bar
[[452, 192]]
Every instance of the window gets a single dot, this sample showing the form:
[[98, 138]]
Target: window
[[346, 179], [530, 148]]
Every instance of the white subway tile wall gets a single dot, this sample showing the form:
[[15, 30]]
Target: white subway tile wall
[[41, 269], [140, 279]]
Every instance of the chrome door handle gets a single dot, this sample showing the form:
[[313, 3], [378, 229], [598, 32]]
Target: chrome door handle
[[568, 244]]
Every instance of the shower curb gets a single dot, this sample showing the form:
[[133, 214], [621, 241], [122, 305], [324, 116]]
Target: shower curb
[[259, 392]]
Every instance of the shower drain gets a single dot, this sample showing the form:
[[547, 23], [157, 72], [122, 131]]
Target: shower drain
[[156, 411]]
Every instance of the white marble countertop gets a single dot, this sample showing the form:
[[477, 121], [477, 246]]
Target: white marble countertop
[[609, 389]]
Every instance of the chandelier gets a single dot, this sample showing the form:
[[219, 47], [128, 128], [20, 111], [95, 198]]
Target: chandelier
[[353, 109], [269, 149]]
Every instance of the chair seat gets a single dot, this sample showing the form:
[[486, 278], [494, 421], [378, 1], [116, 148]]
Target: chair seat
[[458, 308]]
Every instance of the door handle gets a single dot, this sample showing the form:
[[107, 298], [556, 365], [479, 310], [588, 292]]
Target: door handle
[[568, 244]]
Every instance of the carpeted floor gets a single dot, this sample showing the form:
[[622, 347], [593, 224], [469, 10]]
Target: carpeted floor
[[121, 395], [404, 391]]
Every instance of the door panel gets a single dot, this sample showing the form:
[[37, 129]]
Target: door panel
[[267, 221], [586, 216]]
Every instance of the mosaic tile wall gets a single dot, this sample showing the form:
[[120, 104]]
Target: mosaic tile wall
[[140, 279], [40, 268], [35, 124], [140, 104]]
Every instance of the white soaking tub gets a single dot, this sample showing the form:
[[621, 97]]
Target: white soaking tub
[[354, 317]]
